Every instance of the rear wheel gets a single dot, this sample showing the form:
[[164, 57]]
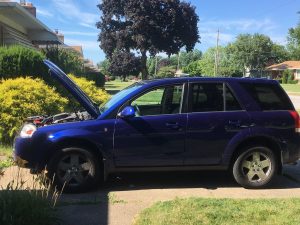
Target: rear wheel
[[74, 170], [255, 167]]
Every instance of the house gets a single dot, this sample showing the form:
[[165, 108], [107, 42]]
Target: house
[[78, 49], [19, 25], [276, 70]]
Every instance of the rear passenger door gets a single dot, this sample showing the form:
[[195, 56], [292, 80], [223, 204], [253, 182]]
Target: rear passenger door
[[215, 116], [271, 114]]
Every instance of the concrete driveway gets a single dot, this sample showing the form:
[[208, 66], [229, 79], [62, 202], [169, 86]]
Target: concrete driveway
[[126, 195], [296, 100]]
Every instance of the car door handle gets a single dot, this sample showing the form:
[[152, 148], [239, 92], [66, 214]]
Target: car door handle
[[235, 123], [174, 126], [239, 124]]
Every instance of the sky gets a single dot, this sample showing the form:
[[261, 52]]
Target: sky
[[76, 19]]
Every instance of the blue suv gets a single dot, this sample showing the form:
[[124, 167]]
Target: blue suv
[[246, 126]]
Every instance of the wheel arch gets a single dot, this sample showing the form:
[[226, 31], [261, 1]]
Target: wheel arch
[[254, 141], [77, 142]]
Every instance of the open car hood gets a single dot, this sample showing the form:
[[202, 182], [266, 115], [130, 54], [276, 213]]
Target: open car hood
[[78, 94]]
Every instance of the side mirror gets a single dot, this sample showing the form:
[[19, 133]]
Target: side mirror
[[127, 112]]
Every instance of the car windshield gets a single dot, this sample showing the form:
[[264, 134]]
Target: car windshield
[[120, 95]]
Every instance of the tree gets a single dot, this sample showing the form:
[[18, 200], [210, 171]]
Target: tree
[[151, 65], [103, 66], [166, 72], [278, 54], [186, 58], [252, 52], [193, 68], [124, 63], [147, 27], [294, 42], [206, 65]]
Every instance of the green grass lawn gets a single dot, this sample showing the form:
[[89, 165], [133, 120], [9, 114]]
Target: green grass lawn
[[5, 156], [295, 88], [194, 211], [113, 87], [5, 150]]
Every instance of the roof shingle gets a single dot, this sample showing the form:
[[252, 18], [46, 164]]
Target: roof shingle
[[291, 65]]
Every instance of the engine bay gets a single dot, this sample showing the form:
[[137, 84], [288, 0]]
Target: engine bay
[[44, 120]]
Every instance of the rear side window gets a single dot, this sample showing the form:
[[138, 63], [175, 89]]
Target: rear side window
[[231, 102], [209, 97], [268, 96]]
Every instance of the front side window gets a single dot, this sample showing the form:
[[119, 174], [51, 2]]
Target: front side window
[[163, 100]]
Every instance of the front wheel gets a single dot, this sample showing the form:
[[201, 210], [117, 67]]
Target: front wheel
[[255, 167], [74, 170]]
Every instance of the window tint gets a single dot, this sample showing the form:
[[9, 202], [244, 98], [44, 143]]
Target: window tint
[[207, 97], [164, 100], [268, 96], [231, 103]]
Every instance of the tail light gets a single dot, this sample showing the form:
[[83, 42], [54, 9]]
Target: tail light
[[296, 118]]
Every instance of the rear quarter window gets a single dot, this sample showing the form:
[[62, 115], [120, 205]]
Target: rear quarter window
[[268, 96]]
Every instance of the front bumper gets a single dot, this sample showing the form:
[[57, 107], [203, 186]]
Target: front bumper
[[22, 152], [20, 162]]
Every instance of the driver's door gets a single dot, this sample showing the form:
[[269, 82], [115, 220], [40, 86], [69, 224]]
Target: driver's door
[[156, 135]]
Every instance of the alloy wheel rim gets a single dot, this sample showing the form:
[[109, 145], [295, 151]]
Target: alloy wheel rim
[[256, 167], [73, 169]]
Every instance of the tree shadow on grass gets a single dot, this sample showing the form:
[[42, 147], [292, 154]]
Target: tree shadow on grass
[[112, 92]]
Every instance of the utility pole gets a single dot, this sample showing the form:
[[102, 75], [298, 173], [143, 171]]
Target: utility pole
[[217, 55]]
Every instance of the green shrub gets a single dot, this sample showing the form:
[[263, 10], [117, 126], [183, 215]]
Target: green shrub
[[278, 79], [66, 59], [96, 94], [290, 77], [23, 97], [286, 76], [16, 61], [293, 82], [112, 78], [97, 77], [166, 72]]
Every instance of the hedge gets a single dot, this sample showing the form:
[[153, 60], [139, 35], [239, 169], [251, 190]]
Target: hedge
[[23, 97], [97, 77], [16, 61], [19, 61], [66, 59], [98, 95]]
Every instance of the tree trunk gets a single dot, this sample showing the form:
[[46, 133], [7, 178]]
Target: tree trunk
[[144, 68]]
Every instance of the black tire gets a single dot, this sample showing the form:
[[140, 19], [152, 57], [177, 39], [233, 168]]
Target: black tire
[[74, 170], [255, 167]]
